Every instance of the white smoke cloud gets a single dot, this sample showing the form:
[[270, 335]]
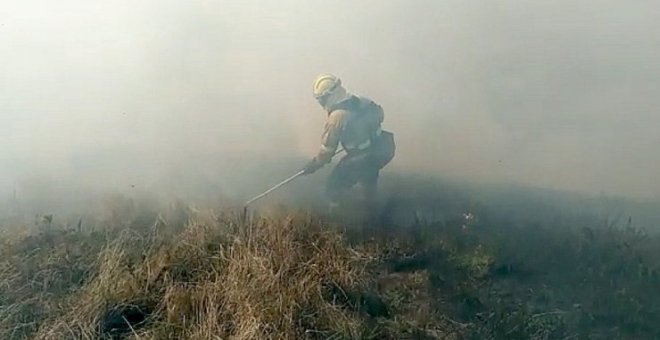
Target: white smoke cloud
[[556, 94]]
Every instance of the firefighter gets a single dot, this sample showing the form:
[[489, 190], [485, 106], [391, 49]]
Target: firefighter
[[355, 123]]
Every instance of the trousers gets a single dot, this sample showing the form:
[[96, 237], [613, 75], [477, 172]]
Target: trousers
[[363, 167]]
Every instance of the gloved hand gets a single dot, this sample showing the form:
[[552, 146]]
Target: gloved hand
[[311, 167]]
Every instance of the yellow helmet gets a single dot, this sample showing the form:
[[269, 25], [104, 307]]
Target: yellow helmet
[[325, 85]]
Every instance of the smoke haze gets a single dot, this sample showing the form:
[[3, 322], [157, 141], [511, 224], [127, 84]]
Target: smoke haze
[[112, 95]]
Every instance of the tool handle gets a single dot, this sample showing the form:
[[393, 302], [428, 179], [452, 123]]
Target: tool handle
[[299, 173], [296, 175]]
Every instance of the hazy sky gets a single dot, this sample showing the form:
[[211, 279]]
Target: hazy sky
[[560, 94]]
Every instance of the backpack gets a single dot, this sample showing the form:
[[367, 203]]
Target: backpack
[[383, 147], [363, 105]]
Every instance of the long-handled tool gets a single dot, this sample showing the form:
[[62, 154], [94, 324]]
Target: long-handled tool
[[255, 198], [278, 185]]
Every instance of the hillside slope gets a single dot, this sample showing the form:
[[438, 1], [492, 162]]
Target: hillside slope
[[201, 275]]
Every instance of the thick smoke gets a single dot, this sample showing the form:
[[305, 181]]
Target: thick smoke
[[166, 95]]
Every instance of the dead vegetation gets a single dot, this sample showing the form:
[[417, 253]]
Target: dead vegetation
[[215, 278], [186, 274]]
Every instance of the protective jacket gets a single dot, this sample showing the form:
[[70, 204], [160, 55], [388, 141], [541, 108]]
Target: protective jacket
[[354, 123]]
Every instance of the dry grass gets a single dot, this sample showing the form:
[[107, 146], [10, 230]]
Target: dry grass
[[285, 278], [213, 277], [185, 274]]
